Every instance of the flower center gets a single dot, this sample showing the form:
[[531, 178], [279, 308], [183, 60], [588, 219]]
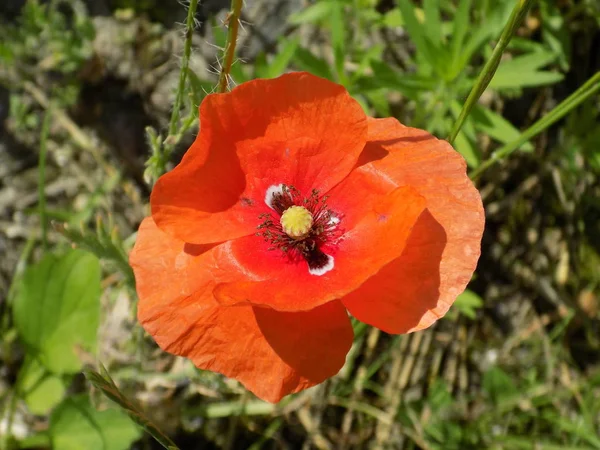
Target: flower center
[[296, 222], [302, 227]]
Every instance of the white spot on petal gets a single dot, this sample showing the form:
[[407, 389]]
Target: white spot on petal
[[333, 220], [323, 269], [271, 191]]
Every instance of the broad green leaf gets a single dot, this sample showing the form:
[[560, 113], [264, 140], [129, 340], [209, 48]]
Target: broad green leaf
[[56, 309], [76, 424], [40, 389], [313, 13], [468, 303], [496, 126]]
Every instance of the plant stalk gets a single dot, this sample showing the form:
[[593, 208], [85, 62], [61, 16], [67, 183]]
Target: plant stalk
[[233, 20], [488, 71], [588, 89]]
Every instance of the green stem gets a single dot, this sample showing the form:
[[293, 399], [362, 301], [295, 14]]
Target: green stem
[[42, 177], [580, 95], [162, 151], [488, 71], [234, 23], [185, 63]]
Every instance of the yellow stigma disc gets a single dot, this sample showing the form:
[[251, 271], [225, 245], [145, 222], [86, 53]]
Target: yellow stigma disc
[[296, 221]]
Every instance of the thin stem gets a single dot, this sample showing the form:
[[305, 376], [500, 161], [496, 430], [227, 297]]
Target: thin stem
[[234, 23], [579, 96], [42, 177], [185, 63], [488, 71]]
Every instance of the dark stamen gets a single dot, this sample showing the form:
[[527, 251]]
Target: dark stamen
[[323, 231]]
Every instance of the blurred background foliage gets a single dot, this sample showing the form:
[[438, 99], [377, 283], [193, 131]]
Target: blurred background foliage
[[87, 124]]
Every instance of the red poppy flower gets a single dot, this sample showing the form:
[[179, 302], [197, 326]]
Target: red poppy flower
[[291, 209]]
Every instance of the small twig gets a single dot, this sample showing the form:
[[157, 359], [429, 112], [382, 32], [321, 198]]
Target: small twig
[[233, 19]]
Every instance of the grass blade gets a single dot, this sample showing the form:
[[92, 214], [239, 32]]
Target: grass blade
[[490, 67], [42, 177], [579, 96], [107, 386], [461, 25]]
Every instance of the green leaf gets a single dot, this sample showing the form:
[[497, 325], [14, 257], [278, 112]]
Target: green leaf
[[76, 425], [465, 147], [386, 77], [305, 60], [433, 24], [393, 19], [56, 309], [531, 79], [282, 59], [468, 303], [416, 31], [338, 38], [41, 390], [498, 385], [496, 126], [461, 26], [312, 14], [522, 71]]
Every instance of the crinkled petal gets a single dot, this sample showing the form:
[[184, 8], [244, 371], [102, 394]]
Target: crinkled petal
[[417, 288], [271, 353], [270, 278], [298, 129]]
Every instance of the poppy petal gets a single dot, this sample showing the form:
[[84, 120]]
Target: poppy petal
[[298, 129], [271, 353], [417, 288], [270, 278]]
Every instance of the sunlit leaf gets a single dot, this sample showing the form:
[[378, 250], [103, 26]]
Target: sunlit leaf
[[56, 310], [40, 389], [468, 303], [523, 71], [77, 425], [313, 13], [496, 126]]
